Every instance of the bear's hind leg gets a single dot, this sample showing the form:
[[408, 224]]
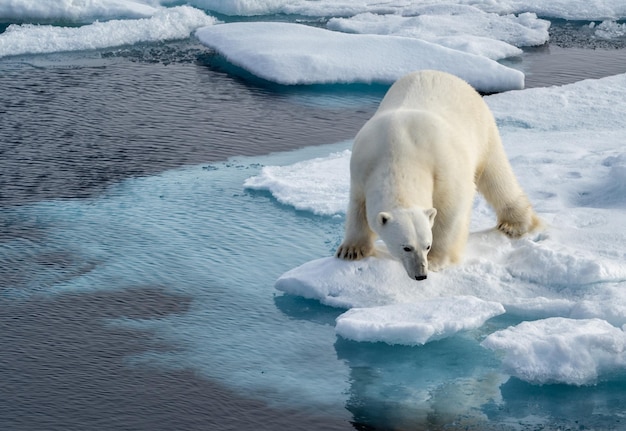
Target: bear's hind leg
[[359, 238], [498, 185]]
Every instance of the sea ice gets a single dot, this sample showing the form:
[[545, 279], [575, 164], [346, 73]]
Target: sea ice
[[558, 350], [74, 11], [416, 323], [289, 54], [566, 9], [165, 24], [326, 189], [609, 29], [463, 28]]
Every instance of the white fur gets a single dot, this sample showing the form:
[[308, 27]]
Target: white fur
[[414, 169]]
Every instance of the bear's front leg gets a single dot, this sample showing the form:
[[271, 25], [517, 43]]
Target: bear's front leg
[[359, 238]]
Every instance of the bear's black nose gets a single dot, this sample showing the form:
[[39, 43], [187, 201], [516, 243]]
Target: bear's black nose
[[420, 277]]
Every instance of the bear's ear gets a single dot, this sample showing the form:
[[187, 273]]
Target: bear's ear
[[431, 213], [383, 218]]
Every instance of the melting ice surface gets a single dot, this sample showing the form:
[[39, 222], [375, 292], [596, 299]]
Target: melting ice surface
[[566, 146]]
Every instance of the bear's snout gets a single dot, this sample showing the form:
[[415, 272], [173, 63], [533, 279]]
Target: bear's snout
[[421, 277]]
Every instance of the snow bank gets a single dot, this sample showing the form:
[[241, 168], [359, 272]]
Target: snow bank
[[165, 24], [463, 28], [566, 147], [558, 350], [298, 54]]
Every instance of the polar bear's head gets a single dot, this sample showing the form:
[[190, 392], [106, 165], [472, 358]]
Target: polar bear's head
[[407, 233]]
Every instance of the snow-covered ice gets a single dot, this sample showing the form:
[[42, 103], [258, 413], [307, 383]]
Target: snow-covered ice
[[566, 147], [326, 189], [464, 28], [75, 11], [608, 29], [164, 24], [558, 350], [289, 53], [566, 9], [416, 323]]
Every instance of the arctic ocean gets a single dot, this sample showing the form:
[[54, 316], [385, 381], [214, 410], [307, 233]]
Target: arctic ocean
[[173, 186]]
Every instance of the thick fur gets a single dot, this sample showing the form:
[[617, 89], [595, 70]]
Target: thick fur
[[430, 144]]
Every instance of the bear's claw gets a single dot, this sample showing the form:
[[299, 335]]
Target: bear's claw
[[353, 252], [517, 229], [512, 230]]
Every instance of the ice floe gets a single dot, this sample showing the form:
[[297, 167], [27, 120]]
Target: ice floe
[[558, 350], [416, 323], [164, 24], [566, 9], [75, 11], [289, 54], [608, 29], [464, 28]]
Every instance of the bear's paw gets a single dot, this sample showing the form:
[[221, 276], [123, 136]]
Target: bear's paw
[[354, 251]]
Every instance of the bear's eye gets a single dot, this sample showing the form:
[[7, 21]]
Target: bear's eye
[[428, 248], [407, 249]]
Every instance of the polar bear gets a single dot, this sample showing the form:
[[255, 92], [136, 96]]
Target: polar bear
[[414, 169]]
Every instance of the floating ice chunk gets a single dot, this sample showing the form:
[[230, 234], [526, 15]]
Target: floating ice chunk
[[292, 54], [609, 29], [566, 9], [320, 185], [165, 24], [416, 323], [468, 29], [559, 350], [74, 11]]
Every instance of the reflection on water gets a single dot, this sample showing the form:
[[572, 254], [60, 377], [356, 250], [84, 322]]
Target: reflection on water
[[559, 66]]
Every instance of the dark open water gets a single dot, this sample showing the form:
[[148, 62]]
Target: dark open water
[[72, 124]]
